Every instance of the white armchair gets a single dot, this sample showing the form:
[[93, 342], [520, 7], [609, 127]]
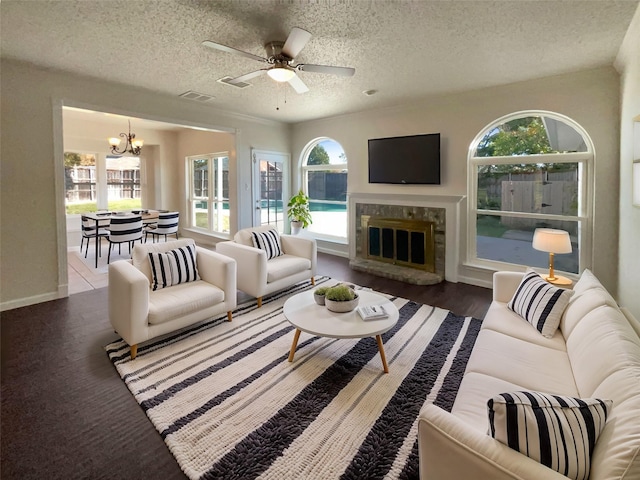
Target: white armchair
[[259, 276], [139, 313]]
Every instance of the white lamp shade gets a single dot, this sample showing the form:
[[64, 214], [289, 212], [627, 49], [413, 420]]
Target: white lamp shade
[[281, 74], [138, 142], [114, 141], [551, 240]]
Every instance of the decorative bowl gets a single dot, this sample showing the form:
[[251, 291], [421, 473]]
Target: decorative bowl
[[318, 298], [342, 307]]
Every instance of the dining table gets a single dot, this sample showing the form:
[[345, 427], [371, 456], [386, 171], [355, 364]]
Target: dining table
[[148, 217]]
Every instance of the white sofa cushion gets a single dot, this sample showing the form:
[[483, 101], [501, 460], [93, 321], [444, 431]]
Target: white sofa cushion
[[522, 363], [470, 404], [285, 266], [500, 319], [559, 432], [540, 303], [181, 300]]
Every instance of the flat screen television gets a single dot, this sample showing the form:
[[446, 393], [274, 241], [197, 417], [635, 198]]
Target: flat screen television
[[413, 159]]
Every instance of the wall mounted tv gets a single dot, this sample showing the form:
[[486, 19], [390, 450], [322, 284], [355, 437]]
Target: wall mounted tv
[[414, 159]]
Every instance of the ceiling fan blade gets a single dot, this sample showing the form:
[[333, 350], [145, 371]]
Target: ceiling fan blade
[[224, 48], [296, 41], [248, 76], [342, 71], [298, 85]]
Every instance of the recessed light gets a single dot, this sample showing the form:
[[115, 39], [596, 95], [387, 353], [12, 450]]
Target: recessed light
[[368, 93]]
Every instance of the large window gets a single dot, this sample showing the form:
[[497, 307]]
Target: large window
[[529, 171], [209, 192], [95, 182], [324, 174]]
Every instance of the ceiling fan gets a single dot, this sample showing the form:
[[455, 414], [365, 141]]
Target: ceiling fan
[[279, 61]]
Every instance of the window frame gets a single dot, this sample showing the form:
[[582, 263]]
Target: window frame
[[214, 202], [584, 216], [304, 173]]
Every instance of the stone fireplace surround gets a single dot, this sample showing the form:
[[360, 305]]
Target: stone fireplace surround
[[444, 210]]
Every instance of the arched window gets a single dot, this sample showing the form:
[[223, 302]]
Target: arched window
[[324, 179], [529, 170]]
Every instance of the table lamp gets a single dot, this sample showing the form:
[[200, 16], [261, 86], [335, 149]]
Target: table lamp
[[552, 241]]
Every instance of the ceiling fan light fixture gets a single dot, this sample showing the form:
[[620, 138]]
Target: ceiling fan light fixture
[[281, 74]]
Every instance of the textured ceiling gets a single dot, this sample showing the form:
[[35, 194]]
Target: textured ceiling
[[404, 50]]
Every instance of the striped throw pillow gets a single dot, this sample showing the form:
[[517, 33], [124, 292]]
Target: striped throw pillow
[[540, 303], [173, 267], [268, 241], [557, 431]]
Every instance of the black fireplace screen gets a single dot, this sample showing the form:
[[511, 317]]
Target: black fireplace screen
[[403, 242]]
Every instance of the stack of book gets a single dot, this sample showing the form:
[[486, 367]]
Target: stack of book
[[372, 312]]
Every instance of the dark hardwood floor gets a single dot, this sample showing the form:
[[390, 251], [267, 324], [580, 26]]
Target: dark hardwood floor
[[66, 413]]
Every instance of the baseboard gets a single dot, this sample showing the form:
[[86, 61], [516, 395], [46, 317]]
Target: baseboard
[[24, 302], [331, 251], [475, 281]]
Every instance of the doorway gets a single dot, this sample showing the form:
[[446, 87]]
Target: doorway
[[270, 188]]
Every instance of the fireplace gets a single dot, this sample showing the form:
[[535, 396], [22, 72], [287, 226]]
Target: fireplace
[[403, 242], [407, 243]]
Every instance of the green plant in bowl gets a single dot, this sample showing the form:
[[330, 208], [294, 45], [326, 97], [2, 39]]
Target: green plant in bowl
[[341, 298], [319, 293], [340, 293]]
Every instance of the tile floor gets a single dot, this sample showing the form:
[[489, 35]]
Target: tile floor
[[82, 273]]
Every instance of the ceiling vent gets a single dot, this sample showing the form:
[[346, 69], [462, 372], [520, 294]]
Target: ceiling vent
[[229, 81], [198, 97]]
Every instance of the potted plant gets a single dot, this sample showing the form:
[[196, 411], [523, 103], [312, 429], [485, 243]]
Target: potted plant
[[298, 212], [319, 293], [341, 298]]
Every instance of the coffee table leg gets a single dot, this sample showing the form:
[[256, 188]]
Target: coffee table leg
[[381, 348], [296, 336]]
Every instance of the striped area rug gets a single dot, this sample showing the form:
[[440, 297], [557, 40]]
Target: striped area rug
[[229, 405]]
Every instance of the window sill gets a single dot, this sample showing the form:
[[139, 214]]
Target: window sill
[[204, 233], [512, 267]]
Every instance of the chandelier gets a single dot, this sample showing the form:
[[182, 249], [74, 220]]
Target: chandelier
[[132, 146]]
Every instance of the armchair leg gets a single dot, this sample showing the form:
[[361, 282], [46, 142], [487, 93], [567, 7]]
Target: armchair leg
[[229, 315], [313, 280], [259, 302], [134, 351]]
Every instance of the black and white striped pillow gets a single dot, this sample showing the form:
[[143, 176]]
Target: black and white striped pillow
[[540, 303], [268, 241], [557, 431], [163, 267], [173, 267]]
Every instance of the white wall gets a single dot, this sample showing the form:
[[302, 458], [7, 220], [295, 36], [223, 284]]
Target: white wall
[[32, 235], [629, 254], [588, 97]]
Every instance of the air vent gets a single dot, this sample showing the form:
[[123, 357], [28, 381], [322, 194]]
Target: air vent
[[198, 97], [227, 81]]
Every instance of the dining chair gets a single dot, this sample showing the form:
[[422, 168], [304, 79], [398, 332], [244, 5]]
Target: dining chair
[[89, 231], [124, 229], [167, 225]]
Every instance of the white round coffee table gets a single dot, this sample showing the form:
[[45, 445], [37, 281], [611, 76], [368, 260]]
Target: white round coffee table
[[307, 316]]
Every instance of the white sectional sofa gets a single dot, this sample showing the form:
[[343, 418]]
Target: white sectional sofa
[[595, 353], [139, 313]]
